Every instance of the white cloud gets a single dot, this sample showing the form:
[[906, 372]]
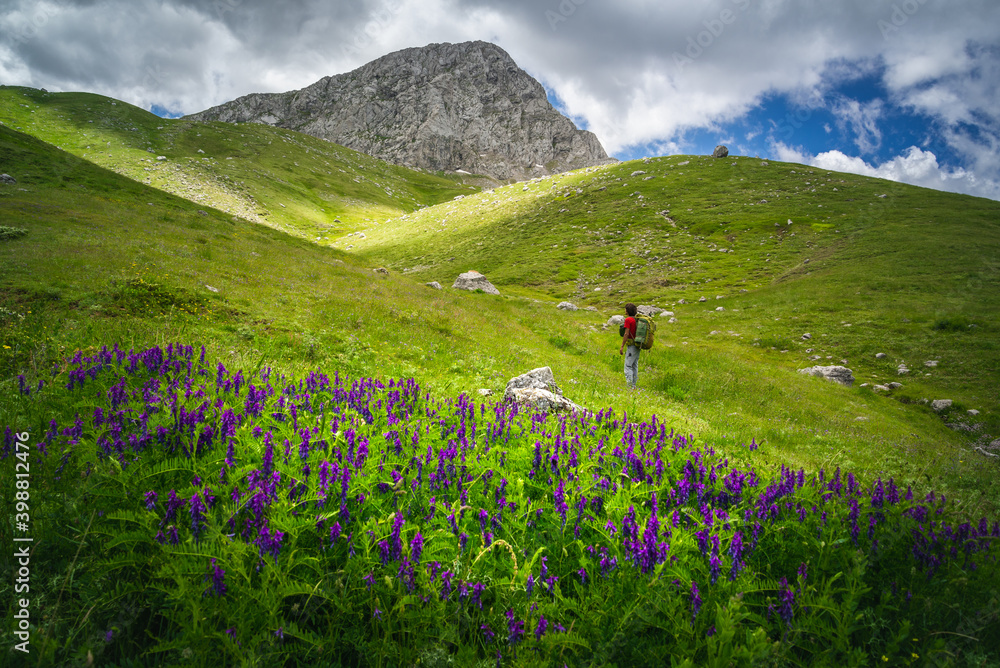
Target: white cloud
[[915, 167], [863, 120]]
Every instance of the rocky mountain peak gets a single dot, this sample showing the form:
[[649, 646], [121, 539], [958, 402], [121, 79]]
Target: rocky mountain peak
[[444, 107]]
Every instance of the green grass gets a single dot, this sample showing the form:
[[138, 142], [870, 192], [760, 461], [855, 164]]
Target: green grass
[[286, 180], [109, 259]]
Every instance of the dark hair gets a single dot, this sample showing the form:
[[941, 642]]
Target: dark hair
[[631, 309]]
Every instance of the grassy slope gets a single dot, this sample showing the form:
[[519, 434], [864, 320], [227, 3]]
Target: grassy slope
[[284, 179], [95, 246], [865, 266]]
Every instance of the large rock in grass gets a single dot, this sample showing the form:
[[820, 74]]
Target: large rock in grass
[[537, 389], [544, 401], [836, 374], [541, 378], [720, 152], [8, 179], [473, 280]]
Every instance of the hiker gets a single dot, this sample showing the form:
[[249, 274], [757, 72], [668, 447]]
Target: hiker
[[628, 341]]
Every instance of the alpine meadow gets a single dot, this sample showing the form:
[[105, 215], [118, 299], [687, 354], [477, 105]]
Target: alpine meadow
[[240, 429]]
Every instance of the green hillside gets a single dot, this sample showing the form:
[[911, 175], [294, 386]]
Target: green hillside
[[866, 266], [778, 251], [250, 446], [286, 180]]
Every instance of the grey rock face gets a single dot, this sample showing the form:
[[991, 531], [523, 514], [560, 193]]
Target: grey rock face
[[720, 152], [433, 284], [939, 405], [538, 390], [544, 401], [447, 107], [567, 306], [541, 378], [837, 374], [473, 280], [8, 179]]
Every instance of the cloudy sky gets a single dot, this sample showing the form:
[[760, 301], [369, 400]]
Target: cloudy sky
[[902, 89]]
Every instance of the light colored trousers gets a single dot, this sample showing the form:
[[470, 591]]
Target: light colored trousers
[[631, 365]]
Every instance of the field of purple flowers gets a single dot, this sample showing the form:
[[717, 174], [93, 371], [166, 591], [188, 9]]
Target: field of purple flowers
[[184, 513]]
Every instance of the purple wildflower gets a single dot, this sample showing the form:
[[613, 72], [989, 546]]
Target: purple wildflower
[[695, 600], [543, 624], [196, 509], [218, 577], [787, 599], [515, 628], [416, 548]]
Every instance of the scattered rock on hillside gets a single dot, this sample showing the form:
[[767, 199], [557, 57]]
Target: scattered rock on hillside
[[473, 280], [567, 306], [8, 179], [544, 401], [720, 152], [941, 404], [806, 336], [903, 369], [541, 378], [615, 321], [836, 374], [931, 363], [880, 356], [380, 270], [649, 311], [210, 288], [666, 314], [538, 389], [433, 284], [485, 392]]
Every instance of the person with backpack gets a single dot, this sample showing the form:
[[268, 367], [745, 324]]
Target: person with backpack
[[628, 341]]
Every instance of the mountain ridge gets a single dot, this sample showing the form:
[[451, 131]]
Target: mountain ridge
[[441, 107]]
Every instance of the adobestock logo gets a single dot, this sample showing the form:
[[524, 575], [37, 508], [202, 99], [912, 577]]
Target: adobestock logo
[[901, 13], [38, 20], [370, 31], [698, 43], [566, 9]]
